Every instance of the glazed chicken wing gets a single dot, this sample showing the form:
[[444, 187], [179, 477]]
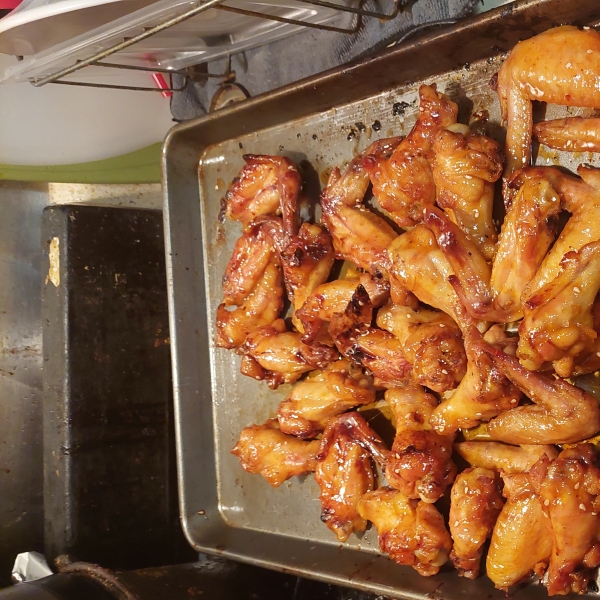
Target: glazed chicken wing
[[528, 231], [522, 537], [557, 303], [378, 351], [465, 167], [412, 532], [279, 356], [403, 183], [475, 503], [502, 457], [333, 297], [359, 235], [560, 66], [573, 134], [265, 185], [323, 395], [568, 488], [431, 342], [417, 264], [276, 456], [344, 474], [562, 413], [483, 393], [420, 462]]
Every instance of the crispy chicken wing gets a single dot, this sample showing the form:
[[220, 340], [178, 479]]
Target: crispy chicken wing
[[573, 134], [465, 167], [475, 503], [403, 183], [412, 532], [431, 342], [568, 488], [344, 474], [333, 297], [420, 462], [560, 66], [359, 235], [378, 351], [528, 231], [279, 356], [522, 537], [483, 393], [323, 395], [276, 456], [417, 264], [266, 184], [562, 413], [502, 457]]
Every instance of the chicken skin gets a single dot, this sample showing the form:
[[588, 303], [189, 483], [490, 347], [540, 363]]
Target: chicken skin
[[276, 456], [323, 395], [465, 167], [503, 457], [265, 184], [359, 235], [274, 354], [403, 183], [522, 537], [559, 66], [344, 474], [431, 341], [420, 462], [412, 532], [573, 134], [475, 503]]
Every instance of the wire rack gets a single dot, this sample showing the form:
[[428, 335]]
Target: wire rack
[[98, 59]]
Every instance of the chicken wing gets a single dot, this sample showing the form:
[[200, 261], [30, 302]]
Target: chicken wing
[[528, 230], [403, 183], [279, 356], [420, 462], [323, 395], [562, 413], [344, 474], [378, 351], [265, 185], [410, 531], [568, 488], [475, 503], [417, 264], [502, 457], [483, 393], [573, 134], [522, 537], [359, 235], [431, 342], [276, 456], [333, 297], [560, 66], [557, 303], [465, 167]]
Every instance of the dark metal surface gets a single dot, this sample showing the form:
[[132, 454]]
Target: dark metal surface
[[223, 509], [21, 501], [109, 489]]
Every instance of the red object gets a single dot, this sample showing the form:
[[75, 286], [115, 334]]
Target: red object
[[9, 4], [161, 83]]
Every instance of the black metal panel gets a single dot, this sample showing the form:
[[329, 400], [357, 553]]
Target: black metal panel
[[109, 491]]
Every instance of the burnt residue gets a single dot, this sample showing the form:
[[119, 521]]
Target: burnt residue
[[399, 108], [353, 134], [360, 126], [376, 126]]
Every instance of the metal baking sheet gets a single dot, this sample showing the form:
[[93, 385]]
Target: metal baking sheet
[[318, 123]]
